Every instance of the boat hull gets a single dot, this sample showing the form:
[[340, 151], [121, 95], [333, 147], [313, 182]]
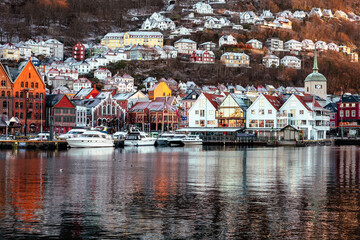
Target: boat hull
[[139, 142], [192, 142], [85, 143]]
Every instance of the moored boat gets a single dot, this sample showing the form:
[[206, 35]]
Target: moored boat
[[192, 140], [164, 138], [138, 138], [176, 140], [91, 139]]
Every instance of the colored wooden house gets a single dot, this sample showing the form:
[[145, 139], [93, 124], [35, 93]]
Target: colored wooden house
[[6, 93], [159, 90], [28, 96], [78, 52], [62, 111]]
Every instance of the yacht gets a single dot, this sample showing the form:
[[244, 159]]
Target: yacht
[[138, 138], [91, 139], [177, 140], [164, 138], [73, 133], [192, 140]]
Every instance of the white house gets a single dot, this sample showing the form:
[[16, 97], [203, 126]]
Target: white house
[[102, 73], [81, 83], [248, 17], [327, 13], [56, 48], [291, 62], [307, 114], [261, 116], [271, 60], [341, 14], [156, 20], [124, 83], [267, 15], [181, 31], [149, 82], [185, 46], [82, 67], [316, 12], [321, 45], [299, 15], [166, 52], [227, 40], [274, 44], [213, 22], [81, 114], [333, 47], [285, 14], [307, 45], [182, 86], [203, 8], [255, 43], [292, 45], [203, 111]]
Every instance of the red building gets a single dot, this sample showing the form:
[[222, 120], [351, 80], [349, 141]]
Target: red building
[[202, 56], [62, 111], [348, 116], [79, 52], [158, 115]]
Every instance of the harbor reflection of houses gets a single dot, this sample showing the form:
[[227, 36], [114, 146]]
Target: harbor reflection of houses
[[26, 191]]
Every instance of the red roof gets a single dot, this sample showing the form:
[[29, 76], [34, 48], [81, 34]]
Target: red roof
[[276, 102], [212, 99], [307, 98]]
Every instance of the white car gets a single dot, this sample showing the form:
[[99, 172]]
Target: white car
[[73, 133]]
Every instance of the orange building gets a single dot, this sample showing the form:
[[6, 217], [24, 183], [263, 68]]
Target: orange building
[[28, 96], [5, 93]]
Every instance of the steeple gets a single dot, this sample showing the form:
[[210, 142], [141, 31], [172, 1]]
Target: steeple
[[315, 68]]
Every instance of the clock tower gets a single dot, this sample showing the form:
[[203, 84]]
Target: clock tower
[[316, 83]]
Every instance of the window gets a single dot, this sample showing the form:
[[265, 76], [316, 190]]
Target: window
[[37, 106], [21, 115], [29, 75], [17, 94], [292, 104], [301, 112], [347, 113], [252, 112], [36, 85], [211, 112], [21, 105], [3, 93], [4, 104], [22, 84], [37, 95], [269, 111], [202, 113], [196, 112], [26, 84], [3, 83], [16, 105], [261, 112], [202, 102], [353, 113], [197, 122], [341, 113], [32, 85], [21, 94], [261, 102]]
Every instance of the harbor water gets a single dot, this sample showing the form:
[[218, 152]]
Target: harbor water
[[193, 192]]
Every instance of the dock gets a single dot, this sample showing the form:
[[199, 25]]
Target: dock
[[43, 145]]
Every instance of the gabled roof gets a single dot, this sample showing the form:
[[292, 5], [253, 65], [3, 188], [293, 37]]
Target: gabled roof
[[213, 99], [53, 99], [276, 102]]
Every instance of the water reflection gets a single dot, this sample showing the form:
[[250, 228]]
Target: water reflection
[[191, 192]]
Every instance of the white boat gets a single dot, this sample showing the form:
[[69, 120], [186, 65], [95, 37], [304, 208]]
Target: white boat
[[138, 138], [177, 140], [192, 140], [91, 139], [164, 138], [73, 133]]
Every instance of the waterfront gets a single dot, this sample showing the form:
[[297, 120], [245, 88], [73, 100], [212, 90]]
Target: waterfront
[[183, 193]]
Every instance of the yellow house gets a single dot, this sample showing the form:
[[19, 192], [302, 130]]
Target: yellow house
[[235, 59], [149, 39], [159, 90]]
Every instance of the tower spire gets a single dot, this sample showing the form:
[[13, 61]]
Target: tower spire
[[315, 68]]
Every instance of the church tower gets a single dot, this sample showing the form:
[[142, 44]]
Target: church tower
[[316, 83]]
